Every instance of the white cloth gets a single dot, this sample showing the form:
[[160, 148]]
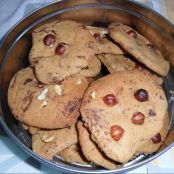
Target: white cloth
[[13, 10]]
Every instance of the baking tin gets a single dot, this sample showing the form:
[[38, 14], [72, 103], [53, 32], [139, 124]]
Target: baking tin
[[15, 47]]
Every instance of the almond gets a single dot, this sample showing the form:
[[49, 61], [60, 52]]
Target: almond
[[47, 139], [43, 94], [58, 89]]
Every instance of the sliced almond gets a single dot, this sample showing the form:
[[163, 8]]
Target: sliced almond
[[47, 139], [93, 95], [43, 94], [58, 89]]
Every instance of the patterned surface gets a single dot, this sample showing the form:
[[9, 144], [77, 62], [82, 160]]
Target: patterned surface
[[15, 160]]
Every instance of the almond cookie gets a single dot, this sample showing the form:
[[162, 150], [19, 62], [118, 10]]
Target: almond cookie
[[48, 143], [123, 111], [115, 63], [73, 154], [93, 69], [139, 47], [90, 149], [104, 44], [45, 106], [69, 40]]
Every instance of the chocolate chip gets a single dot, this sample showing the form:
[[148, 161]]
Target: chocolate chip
[[132, 33], [152, 113], [140, 67], [156, 139], [56, 80], [27, 100], [40, 85], [152, 47], [97, 36], [81, 57], [72, 105], [27, 81]]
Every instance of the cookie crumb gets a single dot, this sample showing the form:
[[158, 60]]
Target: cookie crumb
[[93, 95], [43, 94], [44, 103], [58, 89], [47, 139]]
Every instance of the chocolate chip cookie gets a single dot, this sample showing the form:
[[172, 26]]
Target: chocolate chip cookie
[[45, 106], [103, 43], [115, 63], [138, 46], [157, 141], [73, 154], [123, 111], [91, 150], [93, 69], [69, 40], [48, 143]]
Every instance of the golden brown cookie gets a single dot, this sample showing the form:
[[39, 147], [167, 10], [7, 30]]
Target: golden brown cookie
[[115, 63], [68, 40], [60, 49], [73, 154], [92, 69], [103, 43], [45, 106], [90, 149], [150, 146], [122, 111], [139, 47], [48, 143]]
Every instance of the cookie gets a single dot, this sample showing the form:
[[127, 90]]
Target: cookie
[[73, 154], [103, 43], [93, 69], [115, 63], [49, 71], [68, 41], [90, 149], [149, 146], [45, 106], [122, 111], [48, 143], [139, 47], [99, 30]]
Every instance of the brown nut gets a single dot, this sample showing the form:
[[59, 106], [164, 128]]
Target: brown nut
[[110, 100], [141, 95], [116, 132], [138, 118]]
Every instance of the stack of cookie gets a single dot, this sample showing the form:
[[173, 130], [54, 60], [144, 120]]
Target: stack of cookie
[[73, 112]]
